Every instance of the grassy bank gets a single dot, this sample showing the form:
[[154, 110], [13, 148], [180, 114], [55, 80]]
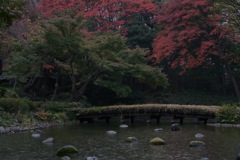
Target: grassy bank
[[24, 113], [149, 108]]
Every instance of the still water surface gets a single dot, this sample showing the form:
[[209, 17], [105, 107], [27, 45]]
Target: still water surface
[[91, 140]]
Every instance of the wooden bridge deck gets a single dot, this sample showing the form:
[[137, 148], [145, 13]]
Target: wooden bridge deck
[[151, 111]]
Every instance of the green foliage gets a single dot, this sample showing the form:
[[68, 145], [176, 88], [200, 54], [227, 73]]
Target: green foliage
[[97, 58], [10, 10], [2, 91], [6, 119], [228, 113], [121, 90], [25, 119], [55, 107], [118, 63], [59, 118], [43, 116], [22, 65], [193, 97], [141, 30], [14, 105], [228, 9]]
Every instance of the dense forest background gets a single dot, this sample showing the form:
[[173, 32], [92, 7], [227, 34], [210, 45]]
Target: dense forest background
[[104, 52]]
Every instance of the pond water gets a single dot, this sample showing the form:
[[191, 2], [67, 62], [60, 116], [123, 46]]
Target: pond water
[[91, 140]]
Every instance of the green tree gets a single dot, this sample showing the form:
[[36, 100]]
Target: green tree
[[141, 30], [229, 10], [100, 58], [22, 68], [10, 10]]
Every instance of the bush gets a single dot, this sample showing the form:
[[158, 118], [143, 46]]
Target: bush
[[59, 117], [62, 106], [52, 106], [194, 97], [6, 119], [43, 116], [24, 119], [13, 105], [228, 114]]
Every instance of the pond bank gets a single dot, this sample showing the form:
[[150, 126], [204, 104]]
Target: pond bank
[[38, 125], [223, 125]]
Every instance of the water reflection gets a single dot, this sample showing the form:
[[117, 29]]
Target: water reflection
[[92, 140]]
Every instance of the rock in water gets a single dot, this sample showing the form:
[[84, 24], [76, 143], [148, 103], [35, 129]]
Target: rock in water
[[131, 139], [123, 126], [67, 150], [37, 133], [91, 158], [158, 130], [238, 156], [65, 158], [2, 129], [111, 132], [49, 140], [175, 127], [197, 144], [199, 135], [157, 141]]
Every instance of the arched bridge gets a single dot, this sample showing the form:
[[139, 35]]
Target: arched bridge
[[151, 111]]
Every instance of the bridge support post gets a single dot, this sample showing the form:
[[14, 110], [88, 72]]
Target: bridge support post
[[204, 119], [157, 117], [180, 117], [107, 118], [131, 117]]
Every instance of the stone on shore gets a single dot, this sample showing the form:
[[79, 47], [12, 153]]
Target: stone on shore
[[2, 129]]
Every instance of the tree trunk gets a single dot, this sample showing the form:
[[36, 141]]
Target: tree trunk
[[234, 81], [56, 86], [30, 83], [1, 66], [82, 89], [73, 79]]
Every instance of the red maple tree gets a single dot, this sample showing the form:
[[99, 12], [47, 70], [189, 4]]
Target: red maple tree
[[191, 34], [108, 14]]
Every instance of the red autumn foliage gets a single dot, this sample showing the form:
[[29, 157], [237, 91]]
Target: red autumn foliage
[[108, 14], [48, 66], [191, 36]]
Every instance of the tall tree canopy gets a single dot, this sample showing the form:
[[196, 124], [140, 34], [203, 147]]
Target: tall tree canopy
[[99, 58], [192, 35], [107, 14]]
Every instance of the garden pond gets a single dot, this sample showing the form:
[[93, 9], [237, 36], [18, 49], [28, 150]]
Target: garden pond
[[92, 140]]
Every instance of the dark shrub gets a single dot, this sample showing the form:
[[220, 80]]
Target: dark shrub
[[228, 114], [14, 105]]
